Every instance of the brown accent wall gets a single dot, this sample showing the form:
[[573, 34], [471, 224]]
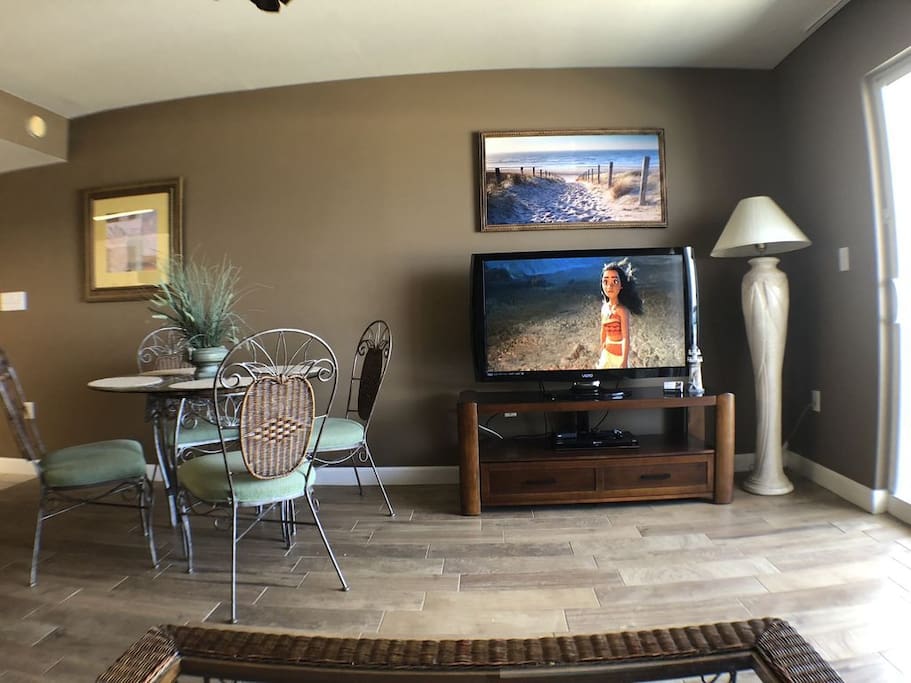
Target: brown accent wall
[[834, 333], [353, 200]]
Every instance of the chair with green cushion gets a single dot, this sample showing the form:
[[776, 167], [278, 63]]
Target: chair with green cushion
[[284, 382], [189, 423], [163, 350], [87, 474], [347, 436]]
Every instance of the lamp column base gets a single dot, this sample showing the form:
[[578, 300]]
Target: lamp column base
[[764, 487], [764, 296]]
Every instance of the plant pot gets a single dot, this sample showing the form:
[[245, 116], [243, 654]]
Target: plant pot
[[207, 359]]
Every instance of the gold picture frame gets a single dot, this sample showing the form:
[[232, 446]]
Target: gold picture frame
[[131, 232], [572, 179]]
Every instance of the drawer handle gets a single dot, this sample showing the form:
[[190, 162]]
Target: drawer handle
[[655, 477], [539, 482]]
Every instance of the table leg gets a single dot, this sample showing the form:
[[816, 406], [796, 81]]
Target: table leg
[[157, 409]]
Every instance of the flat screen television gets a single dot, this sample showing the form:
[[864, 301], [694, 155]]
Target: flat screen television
[[558, 315]]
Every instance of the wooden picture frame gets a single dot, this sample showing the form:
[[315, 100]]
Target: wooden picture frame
[[131, 232], [571, 179]]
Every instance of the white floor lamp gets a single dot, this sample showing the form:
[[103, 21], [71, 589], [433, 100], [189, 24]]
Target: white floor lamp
[[759, 227]]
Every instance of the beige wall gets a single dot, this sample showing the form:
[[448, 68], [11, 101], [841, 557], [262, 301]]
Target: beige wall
[[353, 200], [833, 343]]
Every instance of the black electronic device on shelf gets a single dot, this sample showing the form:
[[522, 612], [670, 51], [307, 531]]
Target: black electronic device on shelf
[[609, 438]]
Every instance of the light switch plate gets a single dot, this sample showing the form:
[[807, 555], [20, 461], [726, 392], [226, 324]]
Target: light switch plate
[[844, 258], [12, 301]]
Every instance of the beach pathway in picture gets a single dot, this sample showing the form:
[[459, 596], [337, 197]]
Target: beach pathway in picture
[[602, 177], [548, 200]]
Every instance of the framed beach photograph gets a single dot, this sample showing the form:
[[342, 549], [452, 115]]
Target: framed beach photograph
[[547, 180], [131, 232]]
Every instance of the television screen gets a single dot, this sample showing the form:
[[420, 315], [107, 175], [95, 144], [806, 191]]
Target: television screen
[[582, 315]]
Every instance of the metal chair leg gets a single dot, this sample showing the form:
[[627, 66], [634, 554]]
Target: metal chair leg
[[322, 533], [36, 547], [147, 508], [378, 480], [186, 535], [234, 562], [357, 476]]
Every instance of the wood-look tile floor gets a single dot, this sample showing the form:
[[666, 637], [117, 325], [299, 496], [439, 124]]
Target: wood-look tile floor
[[841, 576]]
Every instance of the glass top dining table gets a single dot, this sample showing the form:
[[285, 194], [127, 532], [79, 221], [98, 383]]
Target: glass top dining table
[[164, 389]]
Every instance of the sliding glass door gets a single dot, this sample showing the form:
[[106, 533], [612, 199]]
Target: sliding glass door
[[889, 89]]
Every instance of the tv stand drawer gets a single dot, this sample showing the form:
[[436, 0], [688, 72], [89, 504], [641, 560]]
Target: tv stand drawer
[[594, 480]]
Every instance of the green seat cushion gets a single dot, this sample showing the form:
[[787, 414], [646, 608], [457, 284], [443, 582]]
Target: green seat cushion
[[94, 463], [205, 478], [339, 434], [204, 432]]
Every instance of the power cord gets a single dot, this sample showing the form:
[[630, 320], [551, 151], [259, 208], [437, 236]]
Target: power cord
[[800, 418]]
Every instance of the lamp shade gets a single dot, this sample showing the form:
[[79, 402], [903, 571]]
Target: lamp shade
[[758, 227]]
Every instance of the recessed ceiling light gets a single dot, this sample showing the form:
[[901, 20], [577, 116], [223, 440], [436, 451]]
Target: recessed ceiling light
[[36, 126]]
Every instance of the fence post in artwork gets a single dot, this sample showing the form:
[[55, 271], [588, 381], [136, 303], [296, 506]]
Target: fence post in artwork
[[599, 174], [497, 173], [610, 174], [521, 170], [644, 183]]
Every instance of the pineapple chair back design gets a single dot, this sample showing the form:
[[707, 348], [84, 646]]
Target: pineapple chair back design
[[103, 473], [284, 381]]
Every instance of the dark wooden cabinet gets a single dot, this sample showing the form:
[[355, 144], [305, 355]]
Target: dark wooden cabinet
[[683, 462]]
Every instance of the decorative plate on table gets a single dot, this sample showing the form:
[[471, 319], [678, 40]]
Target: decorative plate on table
[[134, 381], [171, 372], [207, 383]]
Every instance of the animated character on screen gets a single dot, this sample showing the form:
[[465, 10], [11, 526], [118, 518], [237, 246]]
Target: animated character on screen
[[618, 288]]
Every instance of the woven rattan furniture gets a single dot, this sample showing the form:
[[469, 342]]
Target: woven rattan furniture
[[284, 381], [344, 439], [770, 647], [111, 473]]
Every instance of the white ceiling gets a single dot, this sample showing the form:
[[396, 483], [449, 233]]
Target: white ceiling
[[77, 57]]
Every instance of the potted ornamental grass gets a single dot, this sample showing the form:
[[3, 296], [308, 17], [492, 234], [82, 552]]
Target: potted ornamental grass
[[200, 299]]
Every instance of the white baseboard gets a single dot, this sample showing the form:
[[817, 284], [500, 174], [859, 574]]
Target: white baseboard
[[16, 466], [328, 476], [871, 500], [391, 476], [899, 509], [875, 501]]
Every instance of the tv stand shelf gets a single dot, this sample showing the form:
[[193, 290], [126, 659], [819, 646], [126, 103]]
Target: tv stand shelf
[[681, 463]]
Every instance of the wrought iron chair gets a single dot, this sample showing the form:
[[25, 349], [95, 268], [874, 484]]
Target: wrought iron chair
[[187, 423], [348, 435], [285, 381], [163, 349], [87, 474]]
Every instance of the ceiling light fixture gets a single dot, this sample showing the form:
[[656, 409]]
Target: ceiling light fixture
[[270, 5]]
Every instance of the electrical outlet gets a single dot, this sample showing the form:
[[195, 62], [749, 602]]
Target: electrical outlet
[[29, 407], [815, 398]]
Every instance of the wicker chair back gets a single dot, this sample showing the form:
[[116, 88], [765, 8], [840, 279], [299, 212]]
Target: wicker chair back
[[275, 425], [288, 379]]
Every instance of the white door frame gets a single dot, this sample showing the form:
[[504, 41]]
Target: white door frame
[[890, 390]]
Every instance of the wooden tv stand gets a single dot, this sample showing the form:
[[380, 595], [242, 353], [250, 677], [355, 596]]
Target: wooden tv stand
[[679, 463]]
